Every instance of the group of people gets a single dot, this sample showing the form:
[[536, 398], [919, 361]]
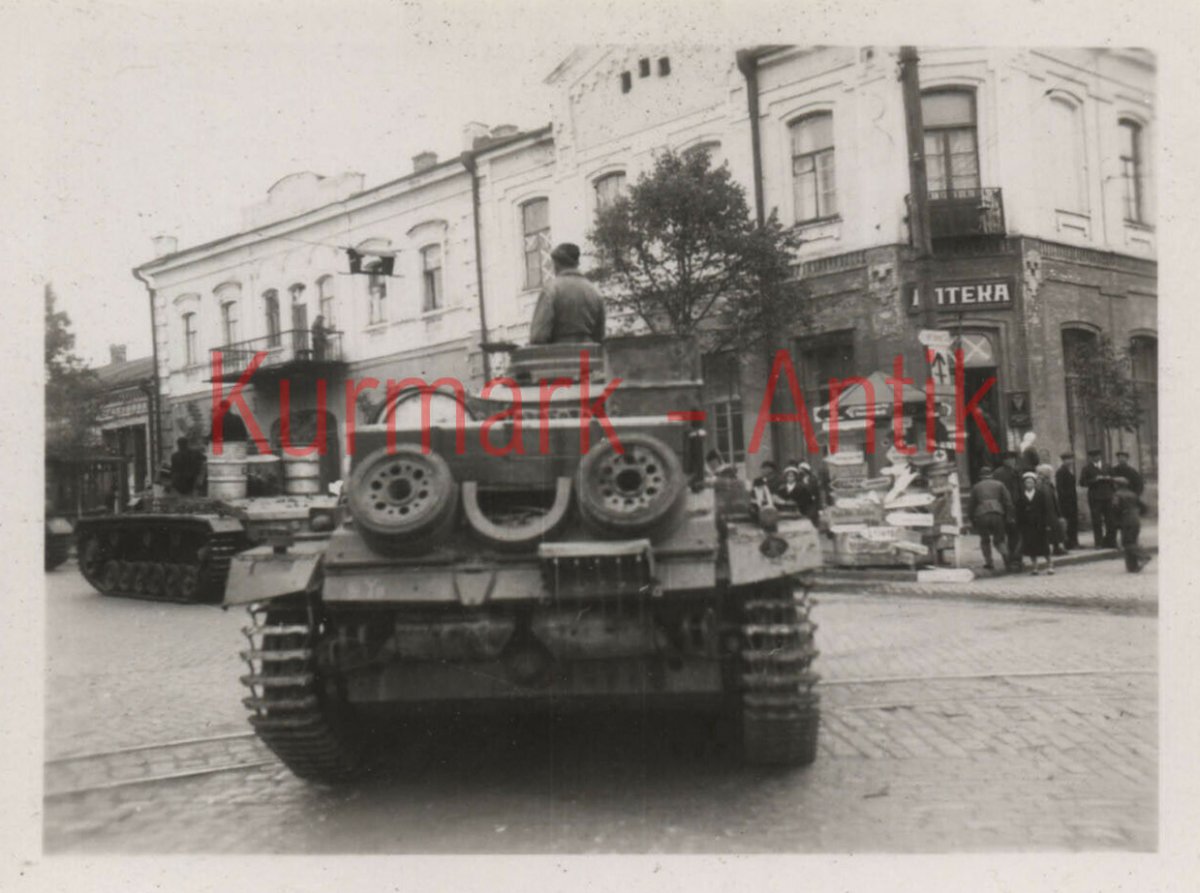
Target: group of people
[[796, 488], [1024, 508]]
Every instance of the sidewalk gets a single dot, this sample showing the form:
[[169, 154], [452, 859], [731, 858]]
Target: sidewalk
[[1084, 578]]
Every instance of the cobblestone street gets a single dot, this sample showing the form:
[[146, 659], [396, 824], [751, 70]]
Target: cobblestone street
[[947, 725]]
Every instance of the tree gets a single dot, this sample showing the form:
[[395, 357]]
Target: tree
[[681, 253], [1103, 377], [73, 391]]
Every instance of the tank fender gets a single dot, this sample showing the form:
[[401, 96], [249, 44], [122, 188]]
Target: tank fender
[[756, 554], [263, 573]]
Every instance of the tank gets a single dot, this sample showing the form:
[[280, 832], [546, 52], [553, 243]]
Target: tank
[[178, 548], [500, 552]]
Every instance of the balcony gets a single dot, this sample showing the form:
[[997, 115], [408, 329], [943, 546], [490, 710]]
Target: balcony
[[959, 213], [290, 353]]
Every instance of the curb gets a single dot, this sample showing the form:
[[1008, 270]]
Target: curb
[[884, 575], [1128, 606]]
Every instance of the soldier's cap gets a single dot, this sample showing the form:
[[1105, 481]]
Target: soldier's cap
[[1067, 455], [1027, 475], [1095, 452], [566, 253], [1121, 453]]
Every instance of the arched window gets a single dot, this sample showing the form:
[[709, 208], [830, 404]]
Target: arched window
[[814, 181], [191, 349], [609, 188], [712, 149], [951, 144], [1132, 173], [1143, 357], [431, 278], [229, 321], [535, 234], [326, 301], [271, 310], [1068, 158], [299, 317]]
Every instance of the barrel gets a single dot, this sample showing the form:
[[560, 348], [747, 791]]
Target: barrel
[[226, 478], [302, 475], [230, 450]]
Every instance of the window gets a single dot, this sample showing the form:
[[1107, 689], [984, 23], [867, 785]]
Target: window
[[535, 228], [1067, 157], [829, 357], [813, 176], [325, 298], [377, 298], [1131, 170], [723, 402], [643, 68], [951, 148], [229, 319], [191, 352], [1143, 357], [626, 81], [609, 188], [712, 149], [664, 66], [271, 308], [431, 276], [299, 318]]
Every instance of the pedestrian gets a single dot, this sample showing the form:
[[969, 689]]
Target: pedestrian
[[1128, 508], [991, 512], [186, 464], [793, 493], [1030, 459], [1006, 473], [1068, 498], [1045, 475], [569, 309], [761, 496], [1099, 484], [810, 507], [320, 337], [771, 476], [1124, 470], [1034, 518]]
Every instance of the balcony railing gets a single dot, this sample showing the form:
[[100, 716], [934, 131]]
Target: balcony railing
[[291, 351], [954, 213]]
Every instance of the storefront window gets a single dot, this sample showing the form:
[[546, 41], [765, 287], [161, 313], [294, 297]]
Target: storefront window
[[1083, 432], [1143, 356]]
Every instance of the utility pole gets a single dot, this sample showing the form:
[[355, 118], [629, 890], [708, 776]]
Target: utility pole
[[918, 184]]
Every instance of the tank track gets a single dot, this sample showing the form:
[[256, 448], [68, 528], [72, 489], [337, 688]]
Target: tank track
[[158, 558], [292, 710], [778, 708]]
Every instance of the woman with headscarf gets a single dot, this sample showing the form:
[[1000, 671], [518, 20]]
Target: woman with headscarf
[[793, 492], [1045, 475], [1035, 517]]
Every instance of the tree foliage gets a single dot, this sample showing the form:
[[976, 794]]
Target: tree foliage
[[1104, 381], [682, 254], [72, 390]]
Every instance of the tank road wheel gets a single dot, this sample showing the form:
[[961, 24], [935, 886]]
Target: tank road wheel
[[92, 563], [128, 573], [298, 713], [156, 580], [628, 493], [173, 583], [404, 501], [111, 580], [776, 708]]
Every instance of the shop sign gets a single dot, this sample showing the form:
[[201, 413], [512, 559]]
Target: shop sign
[[987, 294]]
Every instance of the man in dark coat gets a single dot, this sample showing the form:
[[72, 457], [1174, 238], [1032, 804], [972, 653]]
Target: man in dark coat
[[1099, 483], [570, 308], [186, 464], [1068, 498], [1124, 470], [991, 513], [1007, 474], [1128, 508]]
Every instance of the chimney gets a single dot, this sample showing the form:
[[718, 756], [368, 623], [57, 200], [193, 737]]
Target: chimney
[[164, 245], [117, 352], [423, 161], [500, 131], [473, 133]]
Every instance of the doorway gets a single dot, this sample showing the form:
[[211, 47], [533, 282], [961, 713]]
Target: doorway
[[980, 365]]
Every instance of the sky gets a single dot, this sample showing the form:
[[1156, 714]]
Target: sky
[[170, 118]]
